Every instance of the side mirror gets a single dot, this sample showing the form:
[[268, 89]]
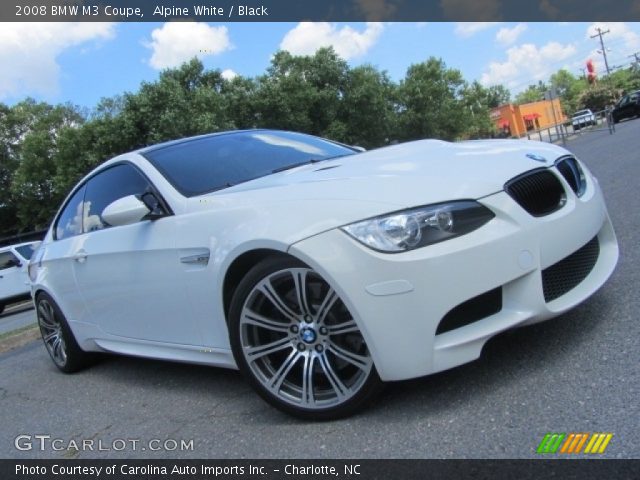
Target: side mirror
[[14, 262], [125, 211]]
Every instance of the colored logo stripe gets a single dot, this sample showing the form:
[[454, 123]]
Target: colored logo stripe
[[550, 442], [574, 442], [598, 443]]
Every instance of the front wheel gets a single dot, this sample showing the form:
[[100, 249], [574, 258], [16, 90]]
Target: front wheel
[[297, 343]]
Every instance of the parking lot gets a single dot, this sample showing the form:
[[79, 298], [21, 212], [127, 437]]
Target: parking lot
[[576, 373]]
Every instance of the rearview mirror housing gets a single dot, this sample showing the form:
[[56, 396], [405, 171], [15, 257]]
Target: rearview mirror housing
[[125, 211]]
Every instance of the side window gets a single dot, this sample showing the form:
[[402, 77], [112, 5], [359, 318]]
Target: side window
[[69, 222], [108, 186], [27, 250], [8, 260]]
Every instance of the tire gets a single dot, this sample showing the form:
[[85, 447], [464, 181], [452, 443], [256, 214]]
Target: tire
[[297, 344], [57, 337]]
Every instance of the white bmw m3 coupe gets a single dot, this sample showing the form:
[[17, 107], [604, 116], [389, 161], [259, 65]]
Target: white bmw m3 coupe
[[318, 270]]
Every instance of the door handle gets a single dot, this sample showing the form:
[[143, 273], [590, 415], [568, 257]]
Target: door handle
[[80, 256]]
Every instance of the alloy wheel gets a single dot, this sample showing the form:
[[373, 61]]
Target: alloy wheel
[[52, 333], [300, 341]]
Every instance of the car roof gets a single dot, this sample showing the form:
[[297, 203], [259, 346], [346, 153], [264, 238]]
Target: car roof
[[170, 143]]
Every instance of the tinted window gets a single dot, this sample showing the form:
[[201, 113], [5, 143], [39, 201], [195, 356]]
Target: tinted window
[[207, 164], [69, 222], [8, 260], [27, 250], [106, 187]]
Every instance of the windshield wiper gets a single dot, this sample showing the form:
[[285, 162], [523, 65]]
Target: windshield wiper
[[299, 164], [307, 162]]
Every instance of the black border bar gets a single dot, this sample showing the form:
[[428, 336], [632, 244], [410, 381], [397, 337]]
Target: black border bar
[[324, 10], [320, 469]]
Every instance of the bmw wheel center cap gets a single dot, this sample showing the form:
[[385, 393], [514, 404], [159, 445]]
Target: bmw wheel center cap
[[308, 335]]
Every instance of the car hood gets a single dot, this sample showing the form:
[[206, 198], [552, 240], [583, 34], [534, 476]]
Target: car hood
[[339, 191], [414, 173]]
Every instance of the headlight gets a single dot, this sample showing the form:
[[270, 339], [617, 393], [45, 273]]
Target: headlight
[[418, 227]]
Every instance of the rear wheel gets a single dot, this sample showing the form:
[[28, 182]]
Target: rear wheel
[[57, 336], [297, 343]]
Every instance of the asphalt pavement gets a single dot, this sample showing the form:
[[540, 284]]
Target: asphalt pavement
[[17, 316], [576, 373]]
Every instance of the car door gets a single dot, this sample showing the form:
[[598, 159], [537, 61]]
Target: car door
[[12, 280], [129, 275], [57, 257]]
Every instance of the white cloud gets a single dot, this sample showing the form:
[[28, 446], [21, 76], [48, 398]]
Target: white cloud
[[526, 64], [307, 37], [29, 52], [178, 42], [509, 36], [619, 42], [617, 31], [228, 74], [468, 29]]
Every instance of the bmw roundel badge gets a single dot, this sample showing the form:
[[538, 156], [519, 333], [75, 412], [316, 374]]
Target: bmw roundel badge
[[537, 158]]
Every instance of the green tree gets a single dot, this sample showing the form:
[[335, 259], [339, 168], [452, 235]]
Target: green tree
[[32, 187], [302, 92], [498, 95], [533, 93], [568, 88], [478, 101], [430, 102], [366, 114]]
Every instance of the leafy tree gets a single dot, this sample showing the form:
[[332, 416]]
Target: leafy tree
[[498, 95], [302, 93], [568, 88], [598, 97], [478, 101], [366, 115], [533, 93], [430, 102], [32, 187]]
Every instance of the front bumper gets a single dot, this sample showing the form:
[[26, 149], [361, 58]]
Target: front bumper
[[398, 300]]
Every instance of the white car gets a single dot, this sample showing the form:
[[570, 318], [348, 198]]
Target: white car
[[14, 281], [318, 270], [583, 118]]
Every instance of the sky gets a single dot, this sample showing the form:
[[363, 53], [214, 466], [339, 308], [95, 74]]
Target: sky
[[81, 63]]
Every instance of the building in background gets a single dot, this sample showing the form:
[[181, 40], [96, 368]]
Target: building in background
[[516, 120]]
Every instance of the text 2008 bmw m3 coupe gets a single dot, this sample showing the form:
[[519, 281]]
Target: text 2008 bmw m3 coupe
[[318, 270]]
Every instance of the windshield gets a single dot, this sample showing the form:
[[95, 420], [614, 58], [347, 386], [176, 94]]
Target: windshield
[[203, 165], [581, 112]]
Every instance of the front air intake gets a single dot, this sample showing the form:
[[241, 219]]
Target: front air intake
[[565, 275], [472, 310], [539, 192]]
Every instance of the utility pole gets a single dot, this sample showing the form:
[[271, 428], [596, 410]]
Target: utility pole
[[604, 51]]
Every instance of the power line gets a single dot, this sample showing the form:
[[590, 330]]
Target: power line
[[604, 50]]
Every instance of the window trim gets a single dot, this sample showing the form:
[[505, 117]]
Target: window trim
[[154, 190]]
